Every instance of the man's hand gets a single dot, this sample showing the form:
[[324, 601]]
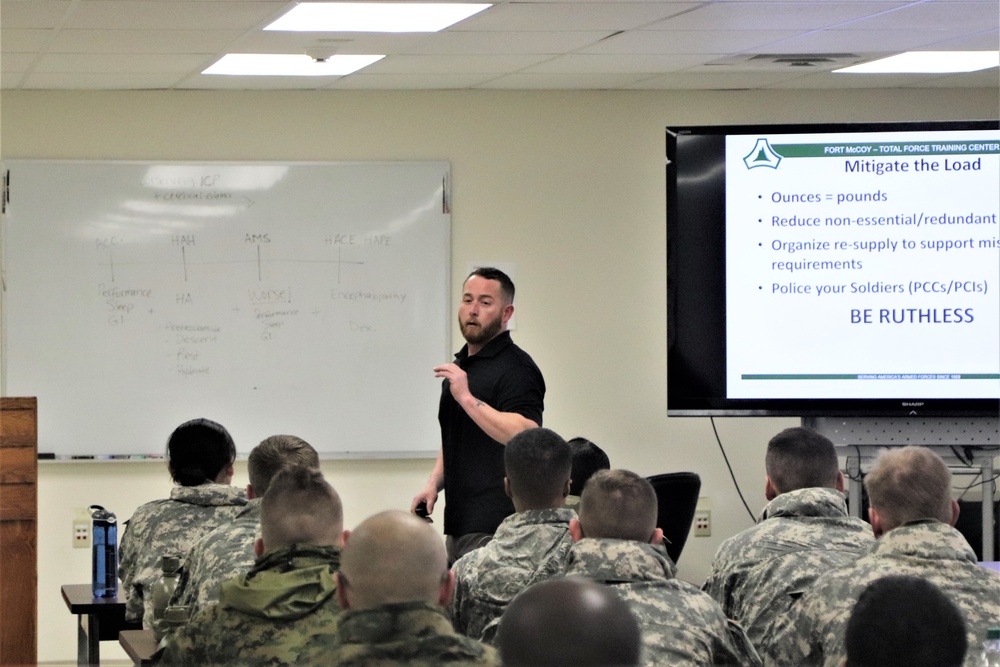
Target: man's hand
[[459, 381], [427, 498]]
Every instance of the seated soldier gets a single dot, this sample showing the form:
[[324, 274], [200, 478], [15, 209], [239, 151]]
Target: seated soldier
[[266, 616], [904, 620], [530, 545], [393, 586], [614, 538], [569, 622], [200, 456], [228, 551], [588, 458], [803, 532], [912, 514]]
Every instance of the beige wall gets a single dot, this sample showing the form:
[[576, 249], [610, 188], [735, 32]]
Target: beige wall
[[567, 185]]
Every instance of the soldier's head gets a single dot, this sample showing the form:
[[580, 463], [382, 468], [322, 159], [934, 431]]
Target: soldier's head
[[273, 454], [201, 451], [300, 508], [909, 484], [393, 557], [800, 458], [567, 622], [537, 464], [617, 504], [588, 458], [904, 620]]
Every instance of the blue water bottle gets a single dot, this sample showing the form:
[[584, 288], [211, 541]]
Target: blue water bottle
[[105, 541]]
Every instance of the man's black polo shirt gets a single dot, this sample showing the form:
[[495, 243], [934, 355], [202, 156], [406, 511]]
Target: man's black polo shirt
[[503, 376]]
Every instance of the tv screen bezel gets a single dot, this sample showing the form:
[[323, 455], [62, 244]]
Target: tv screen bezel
[[696, 314]]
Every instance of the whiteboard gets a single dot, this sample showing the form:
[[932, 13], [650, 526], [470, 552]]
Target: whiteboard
[[301, 298]]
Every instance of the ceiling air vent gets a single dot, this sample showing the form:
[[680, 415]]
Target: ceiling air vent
[[784, 61]]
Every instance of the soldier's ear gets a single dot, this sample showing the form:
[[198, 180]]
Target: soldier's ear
[[342, 591], [258, 547], [657, 537], [506, 487], [447, 589], [575, 530]]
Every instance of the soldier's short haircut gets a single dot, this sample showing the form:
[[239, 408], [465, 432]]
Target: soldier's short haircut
[[905, 620], [300, 507], [537, 463], [909, 484], [618, 504], [393, 557], [588, 458], [491, 273], [273, 454], [198, 451], [569, 622], [800, 458]]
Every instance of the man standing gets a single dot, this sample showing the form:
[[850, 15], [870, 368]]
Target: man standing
[[912, 514], [803, 532], [492, 392]]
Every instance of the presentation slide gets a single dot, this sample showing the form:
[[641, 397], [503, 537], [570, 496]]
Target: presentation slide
[[863, 265]]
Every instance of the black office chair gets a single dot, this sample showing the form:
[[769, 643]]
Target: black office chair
[[677, 497]]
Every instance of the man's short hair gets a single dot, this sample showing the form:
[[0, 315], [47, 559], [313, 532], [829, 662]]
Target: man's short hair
[[393, 557], [273, 454], [588, 458], [492, 273], [300, 507], [909, 484], [800, 458], [618, 504], [198, 451], [905, 620], [537, 463], [567, 622]]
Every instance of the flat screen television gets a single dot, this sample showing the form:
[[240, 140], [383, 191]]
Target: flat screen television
[[834, 270]]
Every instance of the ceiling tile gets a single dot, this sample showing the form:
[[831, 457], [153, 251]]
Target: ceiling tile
[[446, 64], [299, 42], [688, 41], [834, 41], [983, 41], [600, 64], [714, 80], [142, 41], [22, 40], [527, 81], [829, 80], [173, 14], [954, 15], [806, 15], [82, 63], [363, 81], [571, 16], [32, 13], [458, 43], [99, 81]]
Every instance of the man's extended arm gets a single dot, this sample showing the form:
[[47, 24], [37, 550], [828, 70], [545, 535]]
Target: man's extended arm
[[501, 426], [435, 483]]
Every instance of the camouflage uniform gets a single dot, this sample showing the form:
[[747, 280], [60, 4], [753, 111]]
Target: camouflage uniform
[[264, 617], [169, 527], [812, 633], [416, 634], [225, 553], [681, 625], [801, 535], [528, 547]]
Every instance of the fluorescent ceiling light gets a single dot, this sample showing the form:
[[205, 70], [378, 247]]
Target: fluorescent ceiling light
[[283, 64], [374, 16], [928, 62]]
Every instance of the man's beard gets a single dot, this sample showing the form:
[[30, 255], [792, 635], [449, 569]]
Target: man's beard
[[484, 333]]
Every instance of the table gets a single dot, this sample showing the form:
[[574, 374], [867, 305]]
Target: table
[[140, 645], [99, 619]]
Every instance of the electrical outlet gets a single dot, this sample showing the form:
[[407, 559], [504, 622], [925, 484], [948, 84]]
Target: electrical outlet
[[81, 529], [703, 522]]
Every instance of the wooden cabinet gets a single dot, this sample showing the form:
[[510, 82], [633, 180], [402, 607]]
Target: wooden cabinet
[[18, 531]]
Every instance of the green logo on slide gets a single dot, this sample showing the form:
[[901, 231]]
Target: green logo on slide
[[762, 155]]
